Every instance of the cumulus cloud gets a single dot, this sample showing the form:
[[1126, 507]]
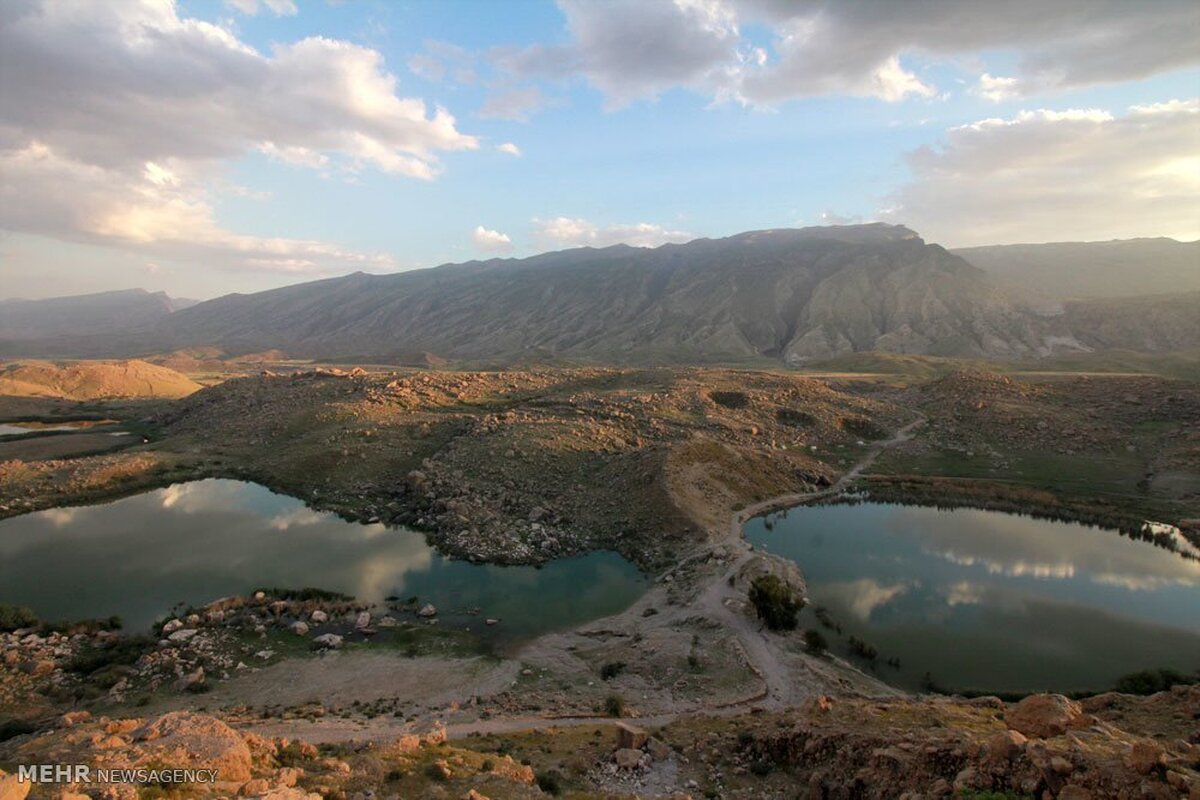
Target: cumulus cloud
[[491, 241], [560, 232], [116, 115], [1044, 175], [635, 49], [510, 148]]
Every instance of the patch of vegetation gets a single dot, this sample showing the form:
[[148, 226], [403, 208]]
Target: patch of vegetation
[[731, 399], [15, 617], [115, 653], [861, 427], [550, 781], [611, 670], [862, 649], [775, 602], [15, 727], [797, 419], [814, 642], [305, 594], [1152, 681], [614, 705]]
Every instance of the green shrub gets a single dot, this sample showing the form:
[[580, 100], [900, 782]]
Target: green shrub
[[15, 617], [614, 705], [612, 670], [1152, 681], [731, 399], [15, 727], [550, 781], [814, 642], [775, 602]]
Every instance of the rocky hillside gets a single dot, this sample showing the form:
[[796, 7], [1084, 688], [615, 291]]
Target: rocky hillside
[[83, 315], [1168, 322], [93, 380], [1064, 270], [787, 294]]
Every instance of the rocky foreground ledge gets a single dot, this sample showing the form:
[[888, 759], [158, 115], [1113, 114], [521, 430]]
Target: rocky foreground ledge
[[1046, 747]]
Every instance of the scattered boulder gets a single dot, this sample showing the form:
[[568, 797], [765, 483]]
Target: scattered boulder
[[428, 610], [11, 788], [1004, 746], [300, 628], [329, 641], [318, 617], [627, 758], [363, 620], [658, 749], [197, 741], [1043, 715], [171, 626], [630, 737], [1146, 757]]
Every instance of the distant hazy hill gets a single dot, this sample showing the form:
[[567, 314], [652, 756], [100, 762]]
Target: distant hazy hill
[[1147, 324], [93, 381], [791, 294], [1062, 270], [84, 315]]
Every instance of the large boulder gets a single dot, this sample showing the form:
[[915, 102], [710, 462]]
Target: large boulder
[[630, 736], [11, 788], [195, 741], [1044, 715]]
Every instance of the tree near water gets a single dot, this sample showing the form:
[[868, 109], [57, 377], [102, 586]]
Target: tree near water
[[776, 603]]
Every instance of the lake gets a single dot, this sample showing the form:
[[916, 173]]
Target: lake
[[195, 542], [990, 601]]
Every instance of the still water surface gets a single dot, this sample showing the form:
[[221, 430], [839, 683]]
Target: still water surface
[[195, 542], [987, 600]]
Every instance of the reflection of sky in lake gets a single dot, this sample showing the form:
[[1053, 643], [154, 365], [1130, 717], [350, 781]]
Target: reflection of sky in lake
[[20, 430], [198, 541], [990, 600]]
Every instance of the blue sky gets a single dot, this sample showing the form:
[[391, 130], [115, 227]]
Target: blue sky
[[228, 155]]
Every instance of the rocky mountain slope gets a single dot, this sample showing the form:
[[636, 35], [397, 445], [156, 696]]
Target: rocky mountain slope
[[1120, 268], [790, 294], [84, 315]]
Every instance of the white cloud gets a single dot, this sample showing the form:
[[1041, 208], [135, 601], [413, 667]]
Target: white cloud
[[997, 88], [280, 8], [1079, 174], [170, 218], [129, 110], [632, 49], [559, 232], [516, 104], [491, 241], [510, 148]]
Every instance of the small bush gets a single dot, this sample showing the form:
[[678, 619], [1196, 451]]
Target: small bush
[[305, 594], [1152, 681], [15, 727], [550, 781], [15, 617], [814, 642], [612, 670], [797, 419], [614, 705], [731, 399], [775, 602], [118, 652]]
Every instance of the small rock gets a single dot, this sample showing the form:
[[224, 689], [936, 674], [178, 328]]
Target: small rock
[[1145, 757], [363, 620], [318, 617], [171, 626], [300, 628], [630, 737], [428, 610], [627, 758], [328, 640], [1043, 715]]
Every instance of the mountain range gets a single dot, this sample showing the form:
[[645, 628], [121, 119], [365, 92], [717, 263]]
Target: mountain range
[[791, 295]]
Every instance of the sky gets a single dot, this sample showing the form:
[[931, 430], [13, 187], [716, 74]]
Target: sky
[[203, 147]]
